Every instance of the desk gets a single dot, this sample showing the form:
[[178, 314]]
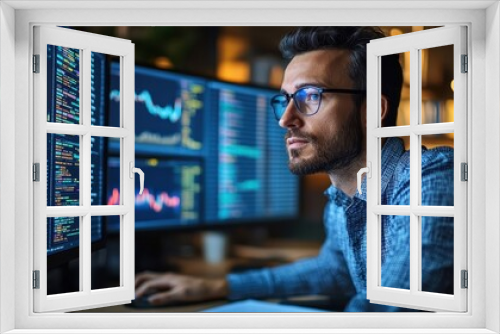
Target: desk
[[295, 304], [195, 307], [270, 254], [273, 253], [244, 306]]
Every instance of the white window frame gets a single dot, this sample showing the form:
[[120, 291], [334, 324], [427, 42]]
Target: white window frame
[[483, 20], [414, 43], [86, 43]]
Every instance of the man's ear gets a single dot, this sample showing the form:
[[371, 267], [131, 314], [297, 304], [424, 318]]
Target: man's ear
[[384, 108]]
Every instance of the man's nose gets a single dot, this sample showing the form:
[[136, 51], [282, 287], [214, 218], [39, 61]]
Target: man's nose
[[291, 117]]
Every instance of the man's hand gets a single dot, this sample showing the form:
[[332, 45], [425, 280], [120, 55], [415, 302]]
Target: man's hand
[[167, 288]]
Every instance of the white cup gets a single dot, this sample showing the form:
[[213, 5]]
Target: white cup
[[214, 247]]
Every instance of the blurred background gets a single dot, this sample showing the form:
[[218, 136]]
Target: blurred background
[[218, 195]]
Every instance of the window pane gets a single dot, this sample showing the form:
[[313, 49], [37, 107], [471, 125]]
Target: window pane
[[395, 252], [115, 93], [63, 251], [105, 166], [113, 181], [63, 170], [398, 193], [437, 84], [99, 81], [437, 170], [105, 255], [112, 114], [437, 254], [390, 64], [63, 84]]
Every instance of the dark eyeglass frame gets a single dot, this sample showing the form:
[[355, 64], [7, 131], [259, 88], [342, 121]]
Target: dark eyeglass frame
[[320, 92]]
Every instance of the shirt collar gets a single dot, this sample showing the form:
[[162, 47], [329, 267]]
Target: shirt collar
[[338, 196], [391, 153]]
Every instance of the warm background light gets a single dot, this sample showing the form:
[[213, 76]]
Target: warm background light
[[231, 63], [395, 32], [163, 63], [276, 76], [234, 71]]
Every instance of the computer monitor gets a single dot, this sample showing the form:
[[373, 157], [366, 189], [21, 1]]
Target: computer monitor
[[63, 164], [169, 147], [210, 150], [247, 175], [169, 112]]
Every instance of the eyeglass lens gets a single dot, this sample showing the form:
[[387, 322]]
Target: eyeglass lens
[[306, 100]]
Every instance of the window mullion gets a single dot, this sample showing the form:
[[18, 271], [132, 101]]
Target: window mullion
[[66, 129], [433, 129], [128, 157], [373, 194], [378, 179], [110, 132], [406, 210], [392, 131], [86, 159], [420, 129], [414, 167], [108, 210]]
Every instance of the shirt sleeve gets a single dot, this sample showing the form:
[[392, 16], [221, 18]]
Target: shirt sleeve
[[325, 274]]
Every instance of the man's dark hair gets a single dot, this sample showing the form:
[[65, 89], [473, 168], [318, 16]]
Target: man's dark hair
[[353, 39]]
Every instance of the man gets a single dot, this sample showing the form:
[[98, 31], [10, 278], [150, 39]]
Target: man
[[323, 107]]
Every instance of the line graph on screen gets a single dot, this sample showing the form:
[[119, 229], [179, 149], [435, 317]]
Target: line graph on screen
[[149, 200], [172, 113]]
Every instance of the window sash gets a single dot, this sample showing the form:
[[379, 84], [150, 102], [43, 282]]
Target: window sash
[[413, 42], [86, 297]]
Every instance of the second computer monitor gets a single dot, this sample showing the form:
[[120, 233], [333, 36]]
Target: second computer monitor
[[212, 152], [247, 161]]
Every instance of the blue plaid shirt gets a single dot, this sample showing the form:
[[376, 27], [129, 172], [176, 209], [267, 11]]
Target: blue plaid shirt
[[339, 270]]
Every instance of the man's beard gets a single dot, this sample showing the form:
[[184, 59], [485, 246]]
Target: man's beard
[[336, 153]]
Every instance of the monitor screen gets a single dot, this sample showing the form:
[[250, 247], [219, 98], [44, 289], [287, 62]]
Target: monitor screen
[[169, 111], [212, 152], [63, 151], [171, 198], [247, 177], [282, 195]]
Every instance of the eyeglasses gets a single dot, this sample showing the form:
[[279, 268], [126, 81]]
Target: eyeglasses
[[307, 99]]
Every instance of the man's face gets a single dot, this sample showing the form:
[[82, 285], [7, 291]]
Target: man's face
[[333, 137]]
